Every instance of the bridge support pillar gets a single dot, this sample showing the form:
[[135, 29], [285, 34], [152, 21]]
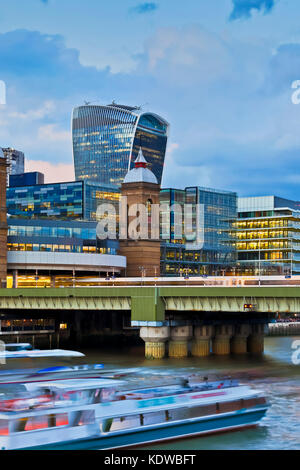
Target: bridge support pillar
[[179, 343], [221, 341], [202, 339], [256, 339], [76, 329], [155, 338], [239, 340]]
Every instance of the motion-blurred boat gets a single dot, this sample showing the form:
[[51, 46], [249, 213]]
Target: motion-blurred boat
[[15, 350], [105, 414]]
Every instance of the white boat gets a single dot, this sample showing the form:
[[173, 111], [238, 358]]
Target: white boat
[[16, 350], [103, 414]]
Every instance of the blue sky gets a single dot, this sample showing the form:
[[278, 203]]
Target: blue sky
[[220, 71]]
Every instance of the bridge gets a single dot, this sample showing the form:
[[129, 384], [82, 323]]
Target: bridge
[[231, 319]]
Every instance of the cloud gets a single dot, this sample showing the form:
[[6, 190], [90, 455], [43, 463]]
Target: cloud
[[60, 172], [284, 68], [228, 103], [231, 111], [143, 8], [244, 8], [44, 81], [172, 52], [50, 132], [33, 114]]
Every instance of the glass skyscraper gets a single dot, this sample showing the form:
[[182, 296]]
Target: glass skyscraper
[[106, 141], [216, 253]]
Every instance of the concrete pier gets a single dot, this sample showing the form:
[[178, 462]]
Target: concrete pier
[[178, 344], [155, 341], [256, 339], [202, 340], [239, 340], [221, 341]]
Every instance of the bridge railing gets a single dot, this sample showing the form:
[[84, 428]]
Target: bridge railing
[[205, 281]]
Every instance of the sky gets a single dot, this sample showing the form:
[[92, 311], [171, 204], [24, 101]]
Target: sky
[[219, 71]]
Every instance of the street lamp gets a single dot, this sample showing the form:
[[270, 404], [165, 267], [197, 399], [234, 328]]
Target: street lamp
[[186, 275], [155, 278], [113, 277], [143, 271]]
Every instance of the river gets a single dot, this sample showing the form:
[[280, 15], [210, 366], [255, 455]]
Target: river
[[274, 373]]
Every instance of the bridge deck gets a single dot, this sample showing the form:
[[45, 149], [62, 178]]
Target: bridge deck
[[150, 303]]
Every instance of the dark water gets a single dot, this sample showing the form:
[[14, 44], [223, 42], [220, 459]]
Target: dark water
[[274, 373]]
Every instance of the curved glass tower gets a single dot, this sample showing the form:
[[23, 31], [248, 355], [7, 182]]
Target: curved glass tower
[[106, 141]]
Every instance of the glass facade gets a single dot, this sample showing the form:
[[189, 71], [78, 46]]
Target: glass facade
[[49, 200], [59, 236], [15, 160], [73, 200], [218, 211], [267, 235], [55, 236], [169, 231], [106, 140], [151, 136], [96, 194]]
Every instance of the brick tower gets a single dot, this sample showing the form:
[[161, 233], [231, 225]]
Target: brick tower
[[142, 190], [3, 221]]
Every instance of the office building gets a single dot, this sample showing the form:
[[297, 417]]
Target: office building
[[96, 194], [45, 252], [207, 248], [106, 141], [57, 200], [15, 161], [267, 235], [26, 179], [70, 200]]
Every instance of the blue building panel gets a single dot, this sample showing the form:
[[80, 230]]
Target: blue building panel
[[26, 179], [64, 200], [72, 200]]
